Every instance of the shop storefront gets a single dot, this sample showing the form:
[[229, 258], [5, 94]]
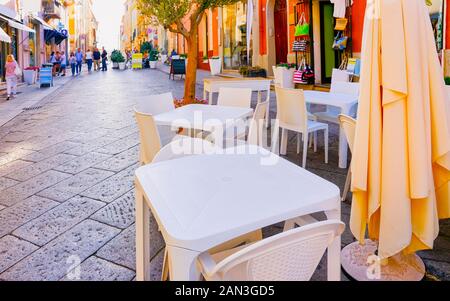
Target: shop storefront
[[235, 42]]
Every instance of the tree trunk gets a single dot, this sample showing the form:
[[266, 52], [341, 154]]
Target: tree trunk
[[191, 70]]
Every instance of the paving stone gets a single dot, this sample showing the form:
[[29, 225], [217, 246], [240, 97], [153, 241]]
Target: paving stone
[[40, 167], [53, 194], [90, 146], [16, 154], [156, 265], [81, 163], [2, 207], [119, 213], [57, 258], [121, 161], [97, 269], [114, 187], [120, 145], [439, 269], [83, 180], [12, 250], [122, 249], [28, 188], [15, 216], [58, 220], [51, 151], [6, 183], [13, 166]]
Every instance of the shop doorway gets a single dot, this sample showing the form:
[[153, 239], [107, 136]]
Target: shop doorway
[[281, 35], [328, 55]]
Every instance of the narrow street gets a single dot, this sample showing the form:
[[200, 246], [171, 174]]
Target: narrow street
[[66, 183]]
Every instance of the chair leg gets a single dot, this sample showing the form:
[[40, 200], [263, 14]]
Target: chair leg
[[326, 145], [298, 143], [165, 267], [284, 141], [347, 185], [305, 148], [315, 142], [311, 140]]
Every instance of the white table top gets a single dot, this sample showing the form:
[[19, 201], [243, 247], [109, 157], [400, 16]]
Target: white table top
[[202, 201], [330, 99], [202, 117]]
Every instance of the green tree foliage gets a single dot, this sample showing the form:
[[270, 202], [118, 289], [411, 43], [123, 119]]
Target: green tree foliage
[[182, 17]]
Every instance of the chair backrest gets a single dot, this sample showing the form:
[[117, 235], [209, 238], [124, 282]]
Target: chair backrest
[[235, 97], [290, 256], [255, 132], [348, 124], [184, 147], [345, 88], [149, 136], [339, 75], [156, 104], [291, 109]]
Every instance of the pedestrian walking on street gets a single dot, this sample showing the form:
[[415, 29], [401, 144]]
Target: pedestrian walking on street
[[73, 63], [89, 60], [11, 76], [63, 63], [104, 59], [79, 57], [97, 56]]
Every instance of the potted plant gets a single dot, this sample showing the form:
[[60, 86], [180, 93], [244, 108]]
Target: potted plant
[[30, 75], [153, 58], [121, 61], [249, 71], [205, 59], [284, 75], [215, 65], [115, 57]]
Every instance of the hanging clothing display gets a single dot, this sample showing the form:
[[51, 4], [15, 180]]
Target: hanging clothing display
[[340, 7]]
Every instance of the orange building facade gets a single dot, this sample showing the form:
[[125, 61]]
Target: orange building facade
[[262, 33]]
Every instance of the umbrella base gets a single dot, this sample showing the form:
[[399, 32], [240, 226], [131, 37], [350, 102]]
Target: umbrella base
[[361, 263]]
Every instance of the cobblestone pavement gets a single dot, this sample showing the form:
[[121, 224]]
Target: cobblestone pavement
[[66, 184]]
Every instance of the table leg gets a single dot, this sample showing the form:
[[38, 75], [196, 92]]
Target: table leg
[[183, 265], [334, 250], [343, 145], [210, 98], [142, 237]]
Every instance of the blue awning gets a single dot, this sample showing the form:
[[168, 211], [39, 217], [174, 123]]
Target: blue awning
[[54, 34]]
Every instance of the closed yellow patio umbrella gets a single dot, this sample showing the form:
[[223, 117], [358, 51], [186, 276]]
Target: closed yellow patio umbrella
[[401, 156]]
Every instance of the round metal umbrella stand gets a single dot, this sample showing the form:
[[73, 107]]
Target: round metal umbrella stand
[[362, 264]]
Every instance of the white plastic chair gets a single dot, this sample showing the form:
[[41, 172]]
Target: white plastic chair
[[149, 137], [290, 256], [157, 104], [235, 97], [331, 114], [293, 116], [257, 125], [348, 124]]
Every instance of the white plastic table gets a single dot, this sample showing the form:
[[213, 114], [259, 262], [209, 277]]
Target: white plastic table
[[203, 201], [344, 102], [203, 117], [257, 84]]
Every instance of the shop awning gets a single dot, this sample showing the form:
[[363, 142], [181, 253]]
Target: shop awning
[[41, 21], [4, 36], [17, 25], [54, 34]]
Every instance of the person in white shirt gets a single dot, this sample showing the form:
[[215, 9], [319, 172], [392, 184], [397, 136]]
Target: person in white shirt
[[89, 60]]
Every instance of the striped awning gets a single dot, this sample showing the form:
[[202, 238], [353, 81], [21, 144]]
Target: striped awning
[[4, 37]]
